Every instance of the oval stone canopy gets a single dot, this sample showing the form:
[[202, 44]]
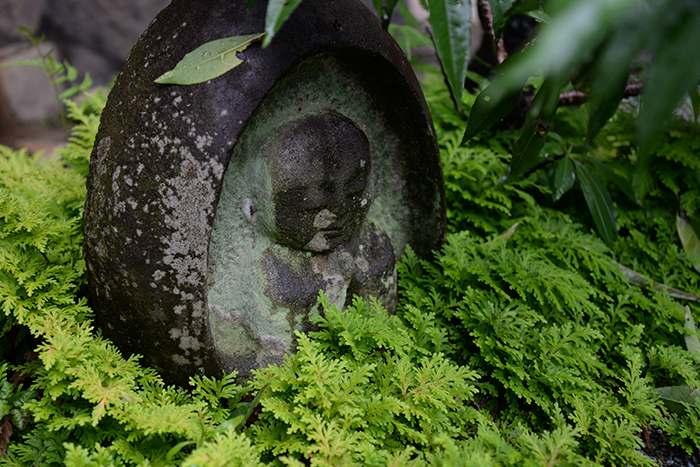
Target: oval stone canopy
[[185, 201]]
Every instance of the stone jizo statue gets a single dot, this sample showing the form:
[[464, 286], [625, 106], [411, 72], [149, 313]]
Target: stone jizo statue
[[217, 212], [304, 215]]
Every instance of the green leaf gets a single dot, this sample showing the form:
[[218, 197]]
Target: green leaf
[[526, 152], [409, 37], [674, 398], [691, 337], [209, 61], [511, 230], [574, 32], [175, 450], [407, 16], [618, 180], [695, 102], [609, 70], [606, 94], [564, 177], [71, 71], [675, 70], [539, 15], [599, 202], [490, 107], [546, 101], [500, 10], [242, 413], [689, 239], [450, 20], [33, 62], [278, 11], [73, 90]]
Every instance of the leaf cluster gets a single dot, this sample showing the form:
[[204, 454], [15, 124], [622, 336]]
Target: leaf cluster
[[526, 281], [601, 51], [595, 43], [361, 392]]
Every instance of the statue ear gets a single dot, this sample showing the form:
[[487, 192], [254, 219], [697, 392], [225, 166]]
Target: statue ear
[[249, 210]]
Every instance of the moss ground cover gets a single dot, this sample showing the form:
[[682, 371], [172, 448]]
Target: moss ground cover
[[524, 343]]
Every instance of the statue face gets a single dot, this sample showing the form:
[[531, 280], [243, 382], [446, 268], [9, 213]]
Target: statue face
[[319, 168]]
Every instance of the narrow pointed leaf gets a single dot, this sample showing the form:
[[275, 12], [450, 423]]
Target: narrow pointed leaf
[[606, 94], [675, 70], [539, 15], [526, 152], [689, 239], [576, 30], [599, 202], [546, 101], [503, 10], [490, 107], [564, 177], [692, 343], [34, 62], [674, 398], [609, 72], [278, 11], [635, 278], [242, 413], [209, 61], [618, 180], [695, 103], [500, 10], [511, 231], [175, 450], [407, 16], [450, 20]]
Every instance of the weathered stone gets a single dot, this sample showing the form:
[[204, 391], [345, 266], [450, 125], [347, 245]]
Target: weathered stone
[[217, 212]]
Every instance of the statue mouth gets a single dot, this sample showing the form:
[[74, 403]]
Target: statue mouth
[[337, 228], [332, 233]]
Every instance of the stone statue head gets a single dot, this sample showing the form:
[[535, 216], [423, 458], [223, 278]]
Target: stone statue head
[[318, 168]]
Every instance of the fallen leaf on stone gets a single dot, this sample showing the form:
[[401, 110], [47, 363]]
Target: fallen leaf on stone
[[209, 61]]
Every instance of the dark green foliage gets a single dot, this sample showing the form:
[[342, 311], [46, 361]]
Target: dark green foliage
[[685, 430], [594, 43], [541, 308]]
